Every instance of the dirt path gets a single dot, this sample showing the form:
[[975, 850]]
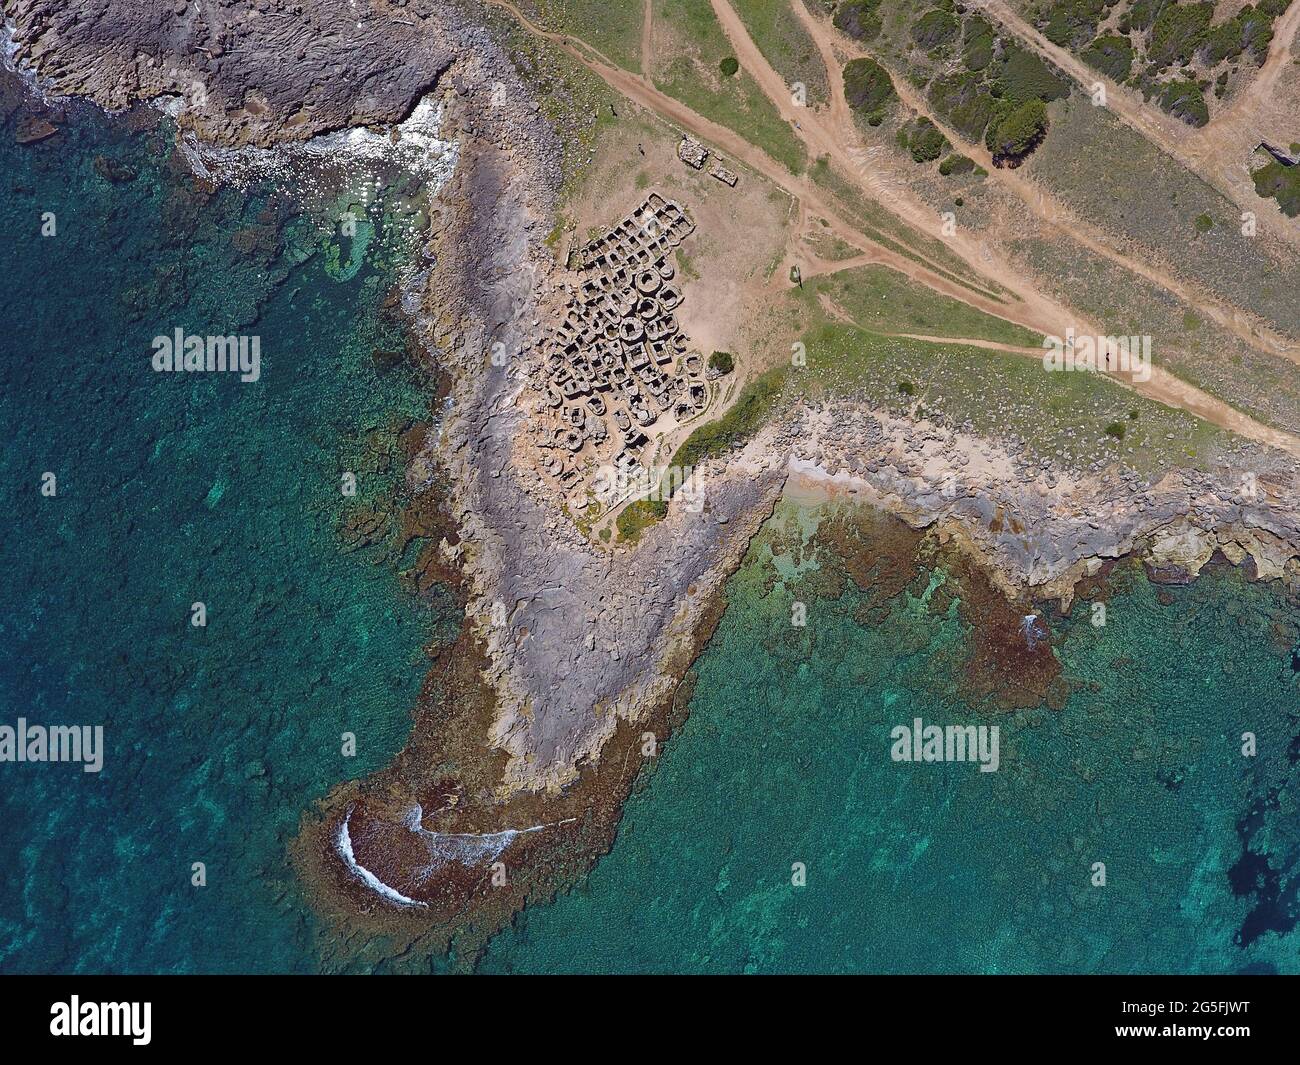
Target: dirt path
[[1234, 320], [1261, 87], [647, 38], [1208, 153]]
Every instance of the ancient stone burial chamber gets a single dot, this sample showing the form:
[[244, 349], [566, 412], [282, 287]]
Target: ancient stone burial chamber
[[618, 362]]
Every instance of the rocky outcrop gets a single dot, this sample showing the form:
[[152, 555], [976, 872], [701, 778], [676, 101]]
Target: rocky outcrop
[[578, 637], [246, 73], [1040, 528]]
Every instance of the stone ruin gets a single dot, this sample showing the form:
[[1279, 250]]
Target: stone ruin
[[618, 362], [692, 153], [695, 155]]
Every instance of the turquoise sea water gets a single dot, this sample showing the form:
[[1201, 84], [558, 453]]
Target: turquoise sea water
[[186, 488], [938, 867], [171, 490]]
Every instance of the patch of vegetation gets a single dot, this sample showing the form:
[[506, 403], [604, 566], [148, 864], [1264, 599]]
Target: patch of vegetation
[[1062, 415], [1175, 39], [781, 37], [1112, 55], [1224, 41], [859, 19], [935, 28], [977, 43], [744, 418], [1117, 430], [867, 85], [1017, 132], [1072, 23], [722, 361], [1142, 15], [956, 164], [638, 516], [923, 140], [1022, 76], [965, 101], [1281, 183], [729, 66], [988, 102], [1203, 223], [1257, 28], [884, 301], [1178, 30], [614, 30], [1183, 99]]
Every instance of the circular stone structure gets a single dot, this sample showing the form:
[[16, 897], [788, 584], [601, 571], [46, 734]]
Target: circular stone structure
[[648, 282]]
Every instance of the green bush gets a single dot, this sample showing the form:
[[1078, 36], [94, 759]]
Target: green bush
[[1022, 76], [1018, 132], [964, 100], [1183, 99], [1117, 430], [638, 516], [1281, 183], [867, 85], [1178, 31], [1111, 55], [956, 164], [925, 142], [858, 19], [1256, 32], [977, 46], [722, 361], [934, 28], [1142, 15], [729, 66], [1072, 23], [1203, 223], [1224, 41]]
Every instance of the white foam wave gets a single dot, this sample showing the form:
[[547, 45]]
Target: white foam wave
[[468, 849], [343, 843], [412, 147]]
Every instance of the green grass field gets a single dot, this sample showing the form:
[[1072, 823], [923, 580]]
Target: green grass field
[[885, 301], [693, 75], [1064, 416], [613, 29], [786, 45]]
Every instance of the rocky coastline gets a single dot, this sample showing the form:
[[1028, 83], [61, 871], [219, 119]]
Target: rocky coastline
[[531, 730]]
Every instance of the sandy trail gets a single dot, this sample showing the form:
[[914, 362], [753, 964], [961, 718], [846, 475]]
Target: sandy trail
[[1234, 320], [647, 37], [1037, 313], [1201, 151], [1241, 110]]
